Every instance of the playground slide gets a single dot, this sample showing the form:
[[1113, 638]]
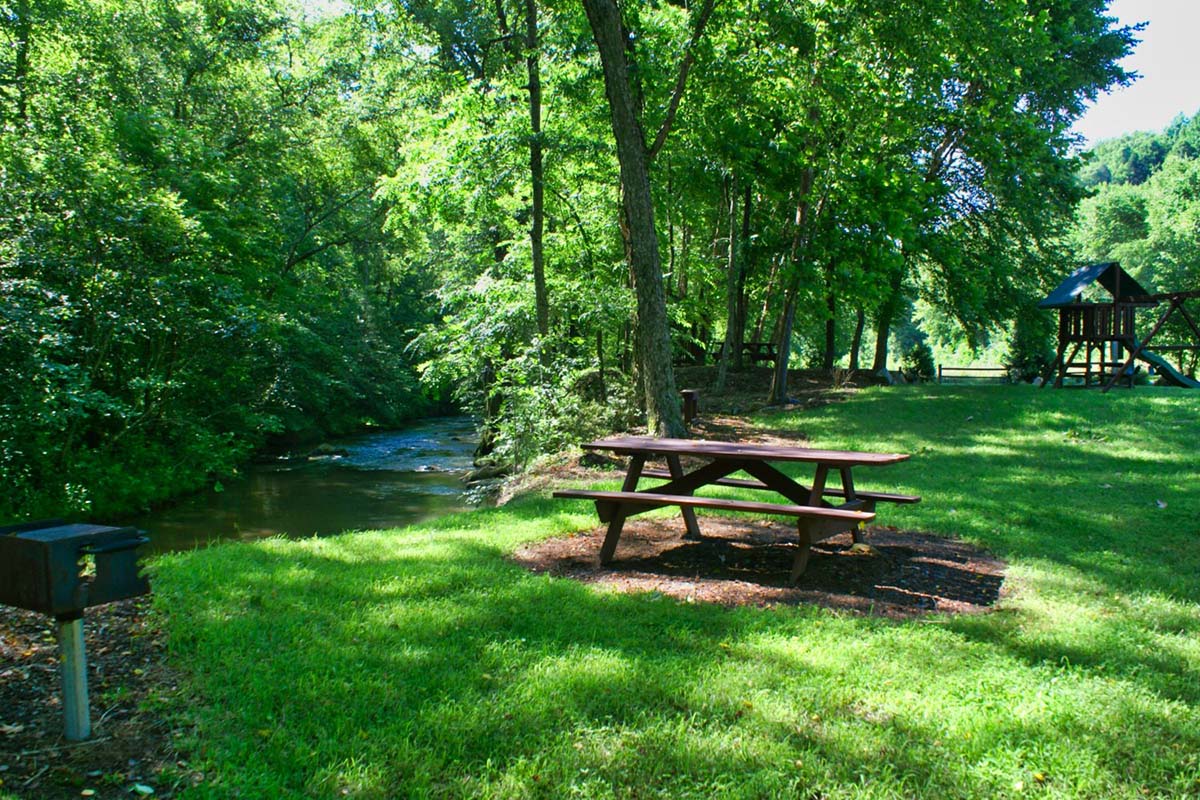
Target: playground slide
[[1168, 372]]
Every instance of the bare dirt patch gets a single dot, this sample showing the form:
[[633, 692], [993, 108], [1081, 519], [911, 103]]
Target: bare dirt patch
[[745, 390], [132, 748], [899, 574]]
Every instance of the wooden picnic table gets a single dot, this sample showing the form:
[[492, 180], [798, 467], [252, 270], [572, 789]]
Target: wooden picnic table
[[821, 511], [755, 352], [760, 351]]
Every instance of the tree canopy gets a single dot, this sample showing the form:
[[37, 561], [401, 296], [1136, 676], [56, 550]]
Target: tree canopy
[[1145, 213], [229, 223]]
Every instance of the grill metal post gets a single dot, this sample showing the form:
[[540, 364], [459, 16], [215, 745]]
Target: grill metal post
[[73, 666]]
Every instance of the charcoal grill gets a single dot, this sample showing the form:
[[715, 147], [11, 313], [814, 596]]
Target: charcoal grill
[[42, 569]]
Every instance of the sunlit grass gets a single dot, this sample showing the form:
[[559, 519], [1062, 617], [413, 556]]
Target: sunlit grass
[[421, 663]]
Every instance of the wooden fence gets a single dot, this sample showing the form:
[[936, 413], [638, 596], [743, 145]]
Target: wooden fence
[[949, 374]]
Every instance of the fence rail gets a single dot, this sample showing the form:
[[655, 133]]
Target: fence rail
[[949, 374]]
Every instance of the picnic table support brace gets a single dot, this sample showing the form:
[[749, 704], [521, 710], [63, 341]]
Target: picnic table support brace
[[818, 488], [617, 521], [851, 497], [687, 484], [776, 481], [798, 493], [689, 515]]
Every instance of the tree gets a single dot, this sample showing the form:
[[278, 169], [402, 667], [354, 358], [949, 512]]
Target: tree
[[634, 155]]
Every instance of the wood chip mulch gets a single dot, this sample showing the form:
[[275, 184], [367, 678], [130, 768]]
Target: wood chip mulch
[[131, 752], [892, 573]]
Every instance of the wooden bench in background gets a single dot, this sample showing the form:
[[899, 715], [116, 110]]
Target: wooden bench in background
[[754, 352]]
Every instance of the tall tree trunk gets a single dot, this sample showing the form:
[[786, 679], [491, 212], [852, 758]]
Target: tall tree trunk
[[731, 348], [652, 337], [779, 379], [536, 172], [766, 305], [600, 366], [746, 263], [673, 269], [884, 319], [24, 30], [860, 321], [626, 344], [827, 358]]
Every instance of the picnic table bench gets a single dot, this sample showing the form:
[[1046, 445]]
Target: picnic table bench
[[817, 516], [755, 352]]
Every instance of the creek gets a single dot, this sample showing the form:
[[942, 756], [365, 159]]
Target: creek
[[373, 480]]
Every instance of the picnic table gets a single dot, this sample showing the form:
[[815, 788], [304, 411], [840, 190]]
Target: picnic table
[[760, 351], [821, 510], [755, 352]]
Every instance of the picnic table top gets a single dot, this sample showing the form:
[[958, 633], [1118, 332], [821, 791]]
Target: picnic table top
[[644, 445]]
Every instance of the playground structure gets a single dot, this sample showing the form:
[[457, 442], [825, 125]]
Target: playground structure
[[1107, 332]]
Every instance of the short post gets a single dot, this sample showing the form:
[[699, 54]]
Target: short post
[[73, 666], [691, 405]]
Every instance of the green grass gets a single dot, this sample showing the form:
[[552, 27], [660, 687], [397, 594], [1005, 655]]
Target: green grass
[[421, 663]]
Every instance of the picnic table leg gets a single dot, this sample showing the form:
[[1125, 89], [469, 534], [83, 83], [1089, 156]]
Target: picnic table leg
[[852, 501], [618, 515], [818, 487], [801, 562], [689, 514]]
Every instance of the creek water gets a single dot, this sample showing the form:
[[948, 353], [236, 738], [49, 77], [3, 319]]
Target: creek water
[[374, 480]]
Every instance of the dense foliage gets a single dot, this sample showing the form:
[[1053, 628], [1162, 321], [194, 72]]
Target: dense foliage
[[191, 254], [225, 220], [1145, 213]]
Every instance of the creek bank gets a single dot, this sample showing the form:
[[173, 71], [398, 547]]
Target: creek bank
[[380, 479]]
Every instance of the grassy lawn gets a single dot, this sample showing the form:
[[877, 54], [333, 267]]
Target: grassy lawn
[[419, 662]]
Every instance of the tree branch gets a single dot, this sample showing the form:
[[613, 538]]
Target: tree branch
[[350, 236], [294, 255], [685, 66]]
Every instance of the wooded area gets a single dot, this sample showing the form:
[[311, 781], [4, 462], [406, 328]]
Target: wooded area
[[228, 222], [1144, 210]]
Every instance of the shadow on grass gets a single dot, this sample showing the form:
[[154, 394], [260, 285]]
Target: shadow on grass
[[1101, 490], [1103, 484], [419, 664]]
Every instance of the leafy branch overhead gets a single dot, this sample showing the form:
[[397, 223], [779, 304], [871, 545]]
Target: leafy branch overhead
[[236, 223]]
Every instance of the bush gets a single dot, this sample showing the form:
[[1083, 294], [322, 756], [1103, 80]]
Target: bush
[[1030, 347], [548, 414], [917, 363]]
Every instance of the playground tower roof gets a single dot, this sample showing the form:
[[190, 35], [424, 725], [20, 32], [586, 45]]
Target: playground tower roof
[[1119, 283]]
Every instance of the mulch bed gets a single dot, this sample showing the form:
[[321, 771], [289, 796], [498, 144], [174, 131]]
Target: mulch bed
[[892, 573], [131, 752]]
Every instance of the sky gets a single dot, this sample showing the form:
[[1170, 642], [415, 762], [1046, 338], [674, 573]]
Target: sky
[[1168, 60]]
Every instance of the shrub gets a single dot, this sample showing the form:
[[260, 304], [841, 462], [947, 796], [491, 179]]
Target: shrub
[[917, 363], [1030, 347]]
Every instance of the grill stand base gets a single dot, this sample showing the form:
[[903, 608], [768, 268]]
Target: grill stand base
[[73, 666]]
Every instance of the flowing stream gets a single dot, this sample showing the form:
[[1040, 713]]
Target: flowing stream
[[374, 480]]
